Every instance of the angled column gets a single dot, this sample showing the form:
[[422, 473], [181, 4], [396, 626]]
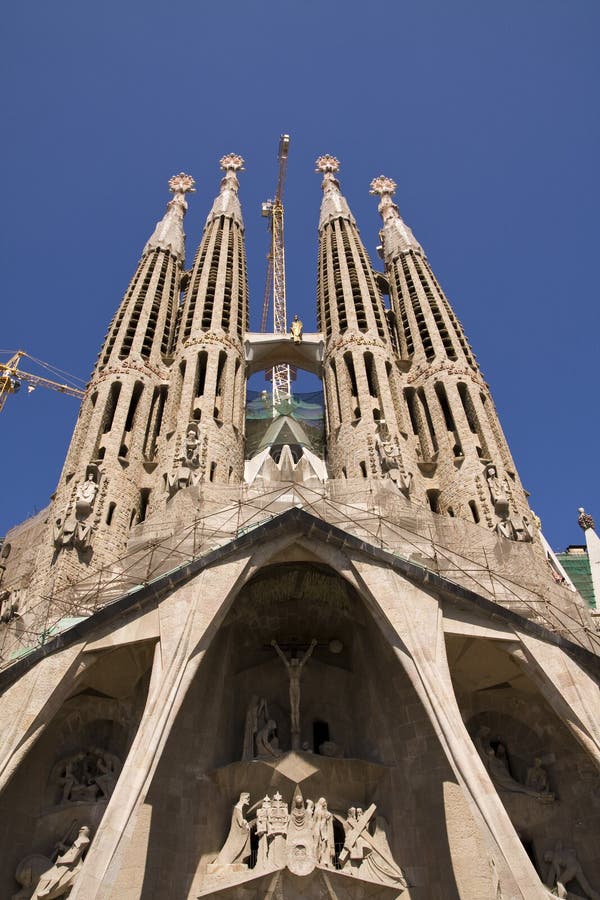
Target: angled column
[[106, 484], [366, 433], [206, 412], [464, 456]]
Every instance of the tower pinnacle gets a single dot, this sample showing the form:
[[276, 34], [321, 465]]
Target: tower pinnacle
[[334, 205], [398, 236], [227, 202], [168, 234]]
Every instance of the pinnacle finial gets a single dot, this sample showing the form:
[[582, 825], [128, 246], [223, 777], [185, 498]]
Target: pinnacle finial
[[182, 184], [327, 164], [232, 162], [383, 185], [584, 519]]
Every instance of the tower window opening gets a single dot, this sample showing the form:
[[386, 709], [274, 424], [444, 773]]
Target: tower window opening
[[351, 374], [111, 406], [220, 371], [153, 427], [110, 513], [433, 499], [445, 406], [437, 315], [200, 373], [138, 306], [144, 500], [213, 470], [132, 517], [363, 468], [425, 407], [474, 511], [472, 417], [371, 375], [133, 405], [336, 391], [411, 402]]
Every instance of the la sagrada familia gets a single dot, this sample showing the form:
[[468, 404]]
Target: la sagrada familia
[[296, 650]]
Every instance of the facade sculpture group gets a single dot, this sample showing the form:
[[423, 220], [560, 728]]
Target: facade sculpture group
[[495, 759], [73, 525], [42, 878], [302, 836], [88, 776]]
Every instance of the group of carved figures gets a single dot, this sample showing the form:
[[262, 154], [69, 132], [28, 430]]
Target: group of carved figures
[[72, 527], [495, 758], [513, 528], [88, 776], [304, 837], [390, 460], [45, 878]]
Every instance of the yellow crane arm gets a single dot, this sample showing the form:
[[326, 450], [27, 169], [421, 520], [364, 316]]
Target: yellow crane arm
[[11, 378]]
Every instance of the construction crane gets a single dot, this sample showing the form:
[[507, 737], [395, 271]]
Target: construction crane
[[283, 374], [12, 377]]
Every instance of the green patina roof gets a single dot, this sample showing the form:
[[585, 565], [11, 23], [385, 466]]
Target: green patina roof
[[577, 567]]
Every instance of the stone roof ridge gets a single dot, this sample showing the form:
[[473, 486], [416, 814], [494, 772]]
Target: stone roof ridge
[[168, 234], [227, 202], [395, 234], [334, 205]]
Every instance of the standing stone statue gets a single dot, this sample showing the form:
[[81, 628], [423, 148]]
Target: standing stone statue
[[296, 330], [537, 777], [236, 849], [323, 832], [278, 819], [58, 881], [256, 717], [294, 669], [262, 833], [85, 496], [497, 492]]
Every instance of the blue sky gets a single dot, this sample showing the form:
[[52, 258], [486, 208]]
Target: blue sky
[[485, 114]]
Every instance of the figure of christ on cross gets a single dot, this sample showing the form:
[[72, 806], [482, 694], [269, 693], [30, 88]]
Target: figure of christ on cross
[[294, 669]]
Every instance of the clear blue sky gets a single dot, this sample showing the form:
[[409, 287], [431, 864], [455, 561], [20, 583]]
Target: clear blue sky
[[486, 114]]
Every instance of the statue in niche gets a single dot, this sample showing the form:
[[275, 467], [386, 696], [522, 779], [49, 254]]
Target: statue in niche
[[497, 492], [86, 495], [367, 855], [188, 461], [58, 880], [89, 776], [267, 744], [564, 867], [537, 777], [296, 330], [506, 529], [257, 717], [323, 833], [294, 668], [236, 849], [524, 530], [495, 759]]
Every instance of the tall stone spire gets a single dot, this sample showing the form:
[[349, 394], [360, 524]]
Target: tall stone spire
[[107, 482], [464, 458], [208, 383], [361, 376]]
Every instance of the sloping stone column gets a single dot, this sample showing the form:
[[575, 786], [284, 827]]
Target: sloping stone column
[[413, 625]]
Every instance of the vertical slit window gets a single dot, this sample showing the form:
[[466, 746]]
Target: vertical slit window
[[144, 500], [474, 511], [133, 405], [200, 380]]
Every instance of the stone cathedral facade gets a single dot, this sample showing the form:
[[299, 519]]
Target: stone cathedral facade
[[312, 651]]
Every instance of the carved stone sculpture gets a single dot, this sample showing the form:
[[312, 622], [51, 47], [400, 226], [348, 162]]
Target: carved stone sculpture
[[58, 880], [262, 833], [277, 829], [296, 330], [85, 496], [497, 492], [88, 776], [188, 462], [323, 832], [366, 854], [294, 668], [537, 777], [257, 717], [302, 836], [564, 867], [267, 746], [236, 849], [495, 759]]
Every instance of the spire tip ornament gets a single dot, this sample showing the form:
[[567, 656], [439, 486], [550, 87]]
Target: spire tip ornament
[[327, 164], [383, 185], [182, 184], [584, 520], [232, 162]]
